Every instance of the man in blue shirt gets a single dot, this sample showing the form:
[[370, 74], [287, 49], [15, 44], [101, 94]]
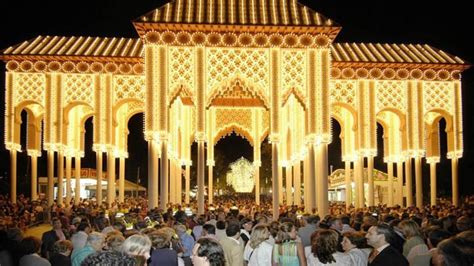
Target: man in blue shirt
[[187, 241]]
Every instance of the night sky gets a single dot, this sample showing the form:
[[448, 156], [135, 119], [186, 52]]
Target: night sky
[[447, 27]]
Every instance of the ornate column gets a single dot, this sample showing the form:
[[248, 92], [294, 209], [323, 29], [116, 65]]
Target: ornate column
[[34, 175], [418, 183], [275, 83], [200, 81], [164, 162], [12, 130], [359, 182], [152, 174], [179, 182], [454, 180], [110, 177], [50, 177], [390, 183], [187, 184], [68, 179], [370, 180], [172, 179], [306, 177], [289, 185], [348, 182], [60, 177], [257, 121], [297, 182], [280, 182], [322, 179], [457, 140], [210, 187], [13, 177], [432, 182], [121, 179], [52, 126], [400, 183], [77, 168], [409, 182], [311, 177], [415, 133], [99, 171]]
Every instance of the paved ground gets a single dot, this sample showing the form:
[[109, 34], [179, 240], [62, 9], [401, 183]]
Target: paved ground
[[38, 230]]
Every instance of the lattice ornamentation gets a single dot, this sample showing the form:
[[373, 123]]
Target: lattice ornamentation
[[135, 107], [31, 87], [252, 64], [129, 87], [294, 69], [78, 87], [438, 95], [343, 91], [391, 94], [227, 116], [181, 71]]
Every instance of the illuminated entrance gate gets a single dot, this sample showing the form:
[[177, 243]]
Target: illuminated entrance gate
[[202, 69]]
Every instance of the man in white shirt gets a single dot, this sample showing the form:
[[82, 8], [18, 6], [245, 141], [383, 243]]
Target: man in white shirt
[[233, 250]]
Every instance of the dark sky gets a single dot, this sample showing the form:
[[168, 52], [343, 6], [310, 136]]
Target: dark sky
[[446, 26]]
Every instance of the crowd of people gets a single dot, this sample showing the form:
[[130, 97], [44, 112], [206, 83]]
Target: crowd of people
[[235, 231]]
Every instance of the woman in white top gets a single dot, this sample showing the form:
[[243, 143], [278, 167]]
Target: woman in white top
[[258, 251], [353, 243], [323, 249]]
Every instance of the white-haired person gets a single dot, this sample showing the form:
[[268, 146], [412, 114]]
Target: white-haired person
[[95, 243], [137, 246]]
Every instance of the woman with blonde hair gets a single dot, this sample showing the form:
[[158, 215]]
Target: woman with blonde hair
[[287, 251], [414, 244], [258, 251]]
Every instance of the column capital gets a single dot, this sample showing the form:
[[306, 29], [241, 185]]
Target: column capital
[[274, 138], [200, 136], [211, 162], [431, 160], [34, 153], [454, 154]]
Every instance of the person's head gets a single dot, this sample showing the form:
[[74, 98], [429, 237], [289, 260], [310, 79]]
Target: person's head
[[456, 251], [352, 240], [324, 245], [409, 228], [137, 245], [259, 234], [208, 229], [180, 229], [56, 223], [379, 235], [30, 245], [220, 225], [463, 223], [84, 226], [274, 227], [336, 224], [437, 235], [286, 233], [160, 239], [207, 252], [345, 219], [246, 224], [63, 247], [233, 230], [114, 242], [96, 240]]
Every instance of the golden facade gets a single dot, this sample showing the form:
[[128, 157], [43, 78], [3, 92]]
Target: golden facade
[[204, 69]]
